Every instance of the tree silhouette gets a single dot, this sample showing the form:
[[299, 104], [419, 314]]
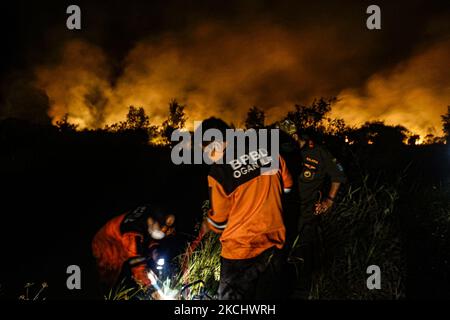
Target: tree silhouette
[[336, 127], [412, 140], [137, 121], [378, 133], [310, 117], [432, 139], [255, 118], [176, 120], [64, 125], [446, 124]]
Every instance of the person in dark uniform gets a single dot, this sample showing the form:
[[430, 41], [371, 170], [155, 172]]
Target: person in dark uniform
[[317, 165]]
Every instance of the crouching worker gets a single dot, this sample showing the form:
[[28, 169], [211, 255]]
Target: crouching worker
[[128, 245]]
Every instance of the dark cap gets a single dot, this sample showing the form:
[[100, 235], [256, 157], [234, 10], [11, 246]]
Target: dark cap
[[214, 123]]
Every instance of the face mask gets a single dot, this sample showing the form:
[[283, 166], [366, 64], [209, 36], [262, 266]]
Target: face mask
[[214, 151], [157, 234]]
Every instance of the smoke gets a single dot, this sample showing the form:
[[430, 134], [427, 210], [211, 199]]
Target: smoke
[[24, 101], [214, 69], [223, 70], [414, 93], [78, 84]]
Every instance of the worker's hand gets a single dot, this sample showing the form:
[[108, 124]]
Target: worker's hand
[[323, 207], [143, 281], [204, 228], [156, 296], [140, 275]]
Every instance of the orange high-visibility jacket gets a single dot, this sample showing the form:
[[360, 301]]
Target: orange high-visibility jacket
[[112, 248], [246, 207]]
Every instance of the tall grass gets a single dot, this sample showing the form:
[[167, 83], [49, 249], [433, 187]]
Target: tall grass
[[203, 263], [428, 243], [124, 292], [33, 294], [362, 230]]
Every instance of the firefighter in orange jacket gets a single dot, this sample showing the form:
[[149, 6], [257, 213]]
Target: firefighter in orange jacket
[[246, 208], [128, 241]]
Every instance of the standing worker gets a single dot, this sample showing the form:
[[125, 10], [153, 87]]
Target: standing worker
[[246, 209], [317, 166]]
